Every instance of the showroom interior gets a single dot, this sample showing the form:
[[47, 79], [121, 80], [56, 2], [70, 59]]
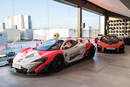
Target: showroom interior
[[105, 60]]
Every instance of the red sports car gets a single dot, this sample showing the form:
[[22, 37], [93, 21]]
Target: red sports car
[[51, 55], [110, 42]]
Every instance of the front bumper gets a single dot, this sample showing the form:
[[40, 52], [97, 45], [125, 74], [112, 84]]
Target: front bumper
[[27, 68], [25, 71], [22, 71], [103, 46]]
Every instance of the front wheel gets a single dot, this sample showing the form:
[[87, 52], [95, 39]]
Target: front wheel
[[57, 64], [121, 49]]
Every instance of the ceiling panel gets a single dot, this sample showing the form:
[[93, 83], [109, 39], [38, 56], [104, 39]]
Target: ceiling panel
[[126, 3], [117, 6]]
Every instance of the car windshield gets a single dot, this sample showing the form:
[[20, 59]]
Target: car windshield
[[110, 39], [51, 44]]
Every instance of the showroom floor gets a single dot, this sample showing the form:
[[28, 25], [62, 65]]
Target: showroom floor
[[106, 70]]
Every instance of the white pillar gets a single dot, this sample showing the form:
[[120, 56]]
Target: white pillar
[[79, 27], [102, 25]]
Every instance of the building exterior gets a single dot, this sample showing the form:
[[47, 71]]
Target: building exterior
[[27, 22], [27, 34], [19, 22], [3, 38], [2, 27], [45, 34], [62, 32], [90, 32], [13, 35], [94, 33], [40, 34]]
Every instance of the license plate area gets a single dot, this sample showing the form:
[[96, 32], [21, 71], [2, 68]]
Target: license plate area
[[110, 48]]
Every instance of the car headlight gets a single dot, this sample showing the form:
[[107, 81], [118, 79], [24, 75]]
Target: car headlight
[[41, 60]]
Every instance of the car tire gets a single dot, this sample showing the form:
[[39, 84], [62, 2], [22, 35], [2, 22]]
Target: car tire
[[90, 53], [99, 49], [121, 50], [57, 64]]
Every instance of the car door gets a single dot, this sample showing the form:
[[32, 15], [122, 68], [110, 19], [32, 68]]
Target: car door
[[71, 53]]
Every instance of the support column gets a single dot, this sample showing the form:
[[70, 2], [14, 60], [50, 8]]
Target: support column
[[102, 25], [106, 24], [79, 27]]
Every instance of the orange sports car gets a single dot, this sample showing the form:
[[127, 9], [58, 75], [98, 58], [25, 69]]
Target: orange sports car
[[110, 42]]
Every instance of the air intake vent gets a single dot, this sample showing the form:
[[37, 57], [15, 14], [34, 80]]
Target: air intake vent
[[126, 3]]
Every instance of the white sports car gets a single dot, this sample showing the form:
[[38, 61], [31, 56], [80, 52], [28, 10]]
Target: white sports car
[[52, 55]]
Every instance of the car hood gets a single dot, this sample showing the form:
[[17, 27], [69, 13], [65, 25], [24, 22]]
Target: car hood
[[27, 56], [30, 51], [30, 55]]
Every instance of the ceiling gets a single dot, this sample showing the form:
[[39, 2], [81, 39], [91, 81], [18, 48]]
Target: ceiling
[[117, 6], [121, 7]]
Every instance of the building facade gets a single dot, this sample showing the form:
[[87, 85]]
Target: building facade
[[45, 34], [19, 22], [90, 32], [2, 27]]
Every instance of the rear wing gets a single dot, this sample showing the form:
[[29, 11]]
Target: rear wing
[[82, 39]]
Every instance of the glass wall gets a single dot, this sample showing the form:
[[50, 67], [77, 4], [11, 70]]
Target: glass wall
[[92, 24], [25, 22]]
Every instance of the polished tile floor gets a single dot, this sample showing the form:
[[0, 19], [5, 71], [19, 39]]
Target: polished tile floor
[[106, 70]]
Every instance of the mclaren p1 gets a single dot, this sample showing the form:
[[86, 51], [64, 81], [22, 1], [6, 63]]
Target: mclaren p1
[[110, 42], [51, 55]]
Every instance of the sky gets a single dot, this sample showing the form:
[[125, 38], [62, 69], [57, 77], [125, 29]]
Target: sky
[[47, 13]]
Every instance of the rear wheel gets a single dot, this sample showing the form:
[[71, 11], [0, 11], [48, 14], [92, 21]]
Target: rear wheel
[[57, 64], [121, 49], [90, 53]]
